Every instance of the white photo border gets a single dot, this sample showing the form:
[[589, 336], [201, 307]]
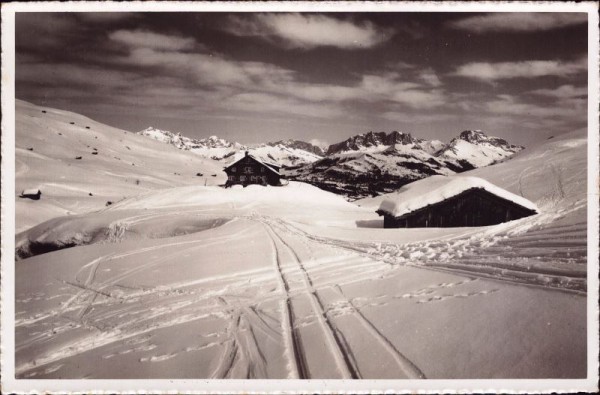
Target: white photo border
[[11, 385]]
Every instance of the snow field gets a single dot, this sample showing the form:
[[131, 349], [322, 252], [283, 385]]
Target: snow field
[[276, 305], [196, 281]]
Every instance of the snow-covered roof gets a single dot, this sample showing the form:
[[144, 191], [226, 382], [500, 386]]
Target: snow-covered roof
[[434, 189], [31, 191], [269, 165]]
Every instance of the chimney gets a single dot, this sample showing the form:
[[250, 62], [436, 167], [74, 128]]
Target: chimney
[[246, 153]]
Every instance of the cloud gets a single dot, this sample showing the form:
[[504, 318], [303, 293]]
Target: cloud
[[518, 22], [420, 99], [525, 69], [308, 31], [570, 108], [430, 77], [323, 144], [73, 75], [411, 117], [563, 91], [147, 39], [269, 103], [259, 78]]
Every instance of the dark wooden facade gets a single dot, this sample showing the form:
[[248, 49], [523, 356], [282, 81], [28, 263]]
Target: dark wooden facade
[[473, 207], [250, 170]]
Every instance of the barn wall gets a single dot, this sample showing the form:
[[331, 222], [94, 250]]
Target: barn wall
[[248, 171], [475, 207]]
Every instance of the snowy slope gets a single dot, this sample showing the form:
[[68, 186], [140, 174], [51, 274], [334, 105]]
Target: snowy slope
[[113, 164], [295, 282]]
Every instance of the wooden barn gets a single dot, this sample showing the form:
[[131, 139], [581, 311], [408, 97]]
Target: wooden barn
[[445, 202], [250, 170]]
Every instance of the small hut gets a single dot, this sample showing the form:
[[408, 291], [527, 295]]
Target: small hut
[[251, 170], [443, 202], [33, 194]]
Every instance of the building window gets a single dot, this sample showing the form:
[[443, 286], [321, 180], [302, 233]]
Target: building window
[[233, 169], [242, 178], [248, 170], [231, 178], [262, 169]]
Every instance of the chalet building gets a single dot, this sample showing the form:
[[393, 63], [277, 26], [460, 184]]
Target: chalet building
[[250, 170], [445, 202]]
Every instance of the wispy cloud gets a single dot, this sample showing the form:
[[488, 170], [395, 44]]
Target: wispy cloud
[[563, 91], [509, 104], [430, 77], [319, 143], [147, 39], [518, 22], [309, 30], [270, 103], [525, 69]]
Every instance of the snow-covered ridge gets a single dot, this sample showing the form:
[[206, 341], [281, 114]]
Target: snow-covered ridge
[[478, 148], [212, 146], [285, 153], [435, 189]]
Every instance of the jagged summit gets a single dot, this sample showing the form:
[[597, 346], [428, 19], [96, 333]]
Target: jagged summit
[[371, 139], [479, 137]]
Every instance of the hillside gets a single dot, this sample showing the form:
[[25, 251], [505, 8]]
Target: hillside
[[80, 165]]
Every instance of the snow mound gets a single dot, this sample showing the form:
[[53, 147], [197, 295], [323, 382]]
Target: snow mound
[[435, 189], [292, 197]]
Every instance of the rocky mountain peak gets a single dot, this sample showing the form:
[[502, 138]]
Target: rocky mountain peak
[[371, 139], [478, 137]]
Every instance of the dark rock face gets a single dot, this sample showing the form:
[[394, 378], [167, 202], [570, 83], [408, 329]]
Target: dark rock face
[[371, 139]]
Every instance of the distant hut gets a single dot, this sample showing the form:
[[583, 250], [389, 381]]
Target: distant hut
[[250, 170], [33, 194], [444, 202]]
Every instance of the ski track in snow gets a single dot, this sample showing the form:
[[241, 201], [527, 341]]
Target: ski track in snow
[[294, 278]]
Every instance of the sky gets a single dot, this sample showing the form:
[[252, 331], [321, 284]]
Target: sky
[[318, 77]]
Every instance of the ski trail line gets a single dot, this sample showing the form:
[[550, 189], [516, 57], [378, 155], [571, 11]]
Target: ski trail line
[[405, 364], [296, 362], [342, 359]]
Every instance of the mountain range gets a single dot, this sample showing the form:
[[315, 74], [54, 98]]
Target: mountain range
[[366, 164]]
